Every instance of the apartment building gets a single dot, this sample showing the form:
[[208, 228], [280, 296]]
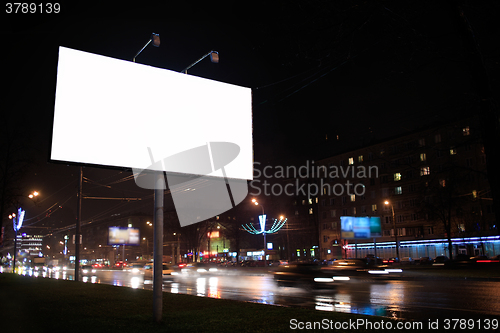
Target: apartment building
[[422, 185]]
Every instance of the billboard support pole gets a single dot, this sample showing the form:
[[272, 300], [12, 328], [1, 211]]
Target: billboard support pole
[[158, 248], [78, 226], [375, 249]]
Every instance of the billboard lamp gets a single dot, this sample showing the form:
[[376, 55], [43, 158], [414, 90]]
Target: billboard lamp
[[214, 57], [155, 38]]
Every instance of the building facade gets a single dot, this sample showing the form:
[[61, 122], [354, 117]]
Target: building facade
[[424, 186]]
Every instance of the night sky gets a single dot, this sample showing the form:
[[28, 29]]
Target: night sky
[[318, 69]]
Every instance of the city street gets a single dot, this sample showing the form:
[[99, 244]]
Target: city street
[[406, 298]]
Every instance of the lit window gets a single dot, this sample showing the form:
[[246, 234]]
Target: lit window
[[423, 157], [310, 211], [353, 197], [466, 131], [333, 213], [310, 201], [424, 171], [442, 182], [453, 151], [351, 160], [398, 190], [360, 158], [397, 176], [474, 194], [374, 208]]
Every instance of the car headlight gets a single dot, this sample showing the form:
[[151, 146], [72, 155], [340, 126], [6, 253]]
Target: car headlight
[[341, 278], [318, 279]]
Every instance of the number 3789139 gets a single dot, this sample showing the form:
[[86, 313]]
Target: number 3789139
[[32, 8]]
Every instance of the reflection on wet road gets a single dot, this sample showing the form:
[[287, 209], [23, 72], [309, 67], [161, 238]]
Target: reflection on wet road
[[413, 299]]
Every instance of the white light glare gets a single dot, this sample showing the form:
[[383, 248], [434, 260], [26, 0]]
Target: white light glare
[[323, 279], [341, 278], [378, 272]]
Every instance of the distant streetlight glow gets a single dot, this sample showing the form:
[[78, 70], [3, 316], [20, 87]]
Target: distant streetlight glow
[[387, 202]]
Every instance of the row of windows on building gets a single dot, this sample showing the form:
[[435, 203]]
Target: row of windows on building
[[409, 174], [394, 149]]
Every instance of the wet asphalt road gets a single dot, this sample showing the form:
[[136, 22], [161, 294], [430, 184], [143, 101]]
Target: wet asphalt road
[[414, 299]]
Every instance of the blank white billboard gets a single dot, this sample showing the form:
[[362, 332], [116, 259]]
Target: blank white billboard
[[118, 113]]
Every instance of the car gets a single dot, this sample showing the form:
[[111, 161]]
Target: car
[[407, 261], [425, 261], [440, 261], [135, 268], [479, 258], [167, 272], [120, 264], [363, 269], [304, 275], [227, 263], [199, 268], [248, 263], [463, 259], [390, 261], [87, 270], [484, 261]]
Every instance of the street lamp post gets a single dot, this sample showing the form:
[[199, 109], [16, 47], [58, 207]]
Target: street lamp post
[[277, 225], [17, 223], [394, 225], [262, 221], [287, 242]]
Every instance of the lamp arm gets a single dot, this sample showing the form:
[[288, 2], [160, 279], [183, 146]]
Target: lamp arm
[[194, 63], [149, 41]]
